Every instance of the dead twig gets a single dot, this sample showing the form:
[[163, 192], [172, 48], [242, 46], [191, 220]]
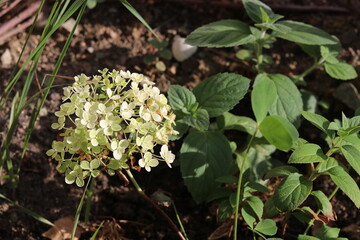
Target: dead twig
[[9, 7]]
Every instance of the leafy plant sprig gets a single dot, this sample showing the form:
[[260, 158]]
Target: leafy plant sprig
[[115, 116]]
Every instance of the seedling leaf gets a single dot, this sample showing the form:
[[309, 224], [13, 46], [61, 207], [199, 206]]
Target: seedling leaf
[[267, 227], [307, 153], [340, 70]]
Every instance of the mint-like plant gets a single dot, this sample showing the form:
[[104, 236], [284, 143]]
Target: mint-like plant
[[278, 103], [109, 121]]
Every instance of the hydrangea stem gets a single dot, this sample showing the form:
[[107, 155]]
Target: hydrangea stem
[[142, 193], [239, 191]]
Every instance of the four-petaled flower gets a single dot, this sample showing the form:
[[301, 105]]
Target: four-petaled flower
[[148, 161], [167, 155]]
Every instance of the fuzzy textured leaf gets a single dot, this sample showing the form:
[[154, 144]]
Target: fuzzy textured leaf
[[307, 153], [256, 204], [317, 120], [221, 92], [289, 102], [292, 191], [224, 33], [352, 155], [324, 204], [279, 132], [341, 71], [281, 171], [180, 98], [199, 120], [204, 157], [303, 33], [252, 8], [346, 183], [263, 96]]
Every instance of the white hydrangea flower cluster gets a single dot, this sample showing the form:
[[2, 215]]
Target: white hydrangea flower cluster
[[115, 118]]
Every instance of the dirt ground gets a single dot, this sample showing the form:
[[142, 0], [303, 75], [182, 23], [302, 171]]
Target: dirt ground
[[109, 36]]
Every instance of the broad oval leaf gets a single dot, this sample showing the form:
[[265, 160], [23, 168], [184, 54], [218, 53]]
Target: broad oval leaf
[[346, 183], [292, 191], [248, 215], [306, 237], [224, 33], [303, 33], [181, 98], [307, 153], [270, 210], [279, 132], [289, 102], [324, 204], [327, 233], [352, 155], [263, 96], [341, 71], [317, 120], [267, 227], [204, 156], [229, 121], [221, 92], [199, 120], [257, 205]]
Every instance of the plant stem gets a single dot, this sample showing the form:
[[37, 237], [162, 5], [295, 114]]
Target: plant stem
[[90, 194], [179, 220], [258, 51], [239, 191], [142, 193], [300, 78]]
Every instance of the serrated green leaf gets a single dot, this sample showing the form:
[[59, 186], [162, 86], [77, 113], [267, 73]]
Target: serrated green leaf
[[354, 121], [257, 205], [281, 171], [204, 157], [324, 204], [326, 54], [317, 120], [267, 227], [303, 33], [353, 139], [225, 209], [289, 102], [221, 92], [181, 98], [199, 119], [263, 95], [279, 132], [341, 71], [328, 164], [314, 50], [348, 131], [352, 155], [259, 12], [327, 233], [346, 183], [248, 215], [292, 191], [224, 33], [307, 153], [229, 121]]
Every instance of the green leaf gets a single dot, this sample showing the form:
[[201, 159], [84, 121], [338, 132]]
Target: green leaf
[[289, 102], [181, 98], [204, 157], [160, 65], [307, 153], [303, 33], [91, 3], [257, 205], [317, 120], [244, 54], [227, 179], [341, 71], [352, 155], [182, 128], [165, 53], [279, 132], [221, 92], [267, 227], [225, 209], [85, 165], [281, 171], [259, 12], [224, 33], [306, 237], [270, 210], [229, 121], [199, 120], [354, 121], [346, 183], [327, 55], [328, 164], [94, 164], [263, 96], [256, 187], [249, 215], [292, 191], [324, 204], [327, 233], [148, 59], [353, 139], [314, 50]]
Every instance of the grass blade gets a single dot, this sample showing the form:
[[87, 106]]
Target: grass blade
[[93, 237], [29, 212]]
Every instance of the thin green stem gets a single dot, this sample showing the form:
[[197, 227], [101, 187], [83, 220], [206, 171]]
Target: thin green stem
[[90, 194], [179, 220], [258, 51], [300, 78], [239, 190]]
